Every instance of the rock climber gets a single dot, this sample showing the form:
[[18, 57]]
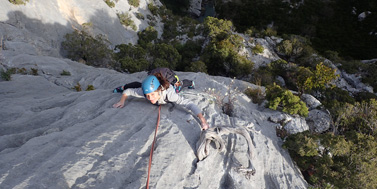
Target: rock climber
[[158, 90]]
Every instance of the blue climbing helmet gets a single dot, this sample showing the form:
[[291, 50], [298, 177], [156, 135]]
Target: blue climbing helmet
[[150, 84]]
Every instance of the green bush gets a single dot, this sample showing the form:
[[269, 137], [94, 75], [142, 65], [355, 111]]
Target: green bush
[[323, 76], [90, 88], [279, 67], [217, 29], [131, 58], [147, 36], [87, 25], [165, 13], [263, 76], [269, 32], [239, 65], [189, 51], [170, 30], [347, 155], [320, 78], [256, 94], [34, 71], [338, 159], [188, 24], [294, 47], [126, 20], [65, 73], [221, 54], [177, 7], [18, 2], [77, 87], [364, 96], [7, 75], [285, 48], [160, 62], [352, 66], [137, 58], [288, 71], [95, 51], [152, 23], [153, 9], [308, 57], [140, 16], [332, 55], [22, 71], [132, 65], [177, 26], [250, 31], [197, 66], [134, 3], [258, 49], [302, 145], [110, 3], [361, 117], [304, 80], [332, 98], [326, 23], [370, 75], [291, 104], [164, 55]]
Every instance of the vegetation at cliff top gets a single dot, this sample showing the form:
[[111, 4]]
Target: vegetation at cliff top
[[330, 25], [343, 156]]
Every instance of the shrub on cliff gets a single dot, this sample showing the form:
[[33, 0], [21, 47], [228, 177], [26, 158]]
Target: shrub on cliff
[[197, 66], [92, 50], [18, 2], [343, 156], [126, 20], [134, 3], [147, 36], [221, 54], [289, 103]]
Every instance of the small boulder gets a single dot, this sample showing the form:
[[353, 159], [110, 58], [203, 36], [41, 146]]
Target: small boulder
[[318, 120]]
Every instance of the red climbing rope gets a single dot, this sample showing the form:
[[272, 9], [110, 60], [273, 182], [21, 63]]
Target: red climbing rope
[[154, 141]]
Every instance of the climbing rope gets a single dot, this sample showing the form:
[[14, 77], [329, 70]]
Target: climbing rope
[[154, 141]]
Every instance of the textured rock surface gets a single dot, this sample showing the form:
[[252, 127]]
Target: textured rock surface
[[52, 136], [55, 137]]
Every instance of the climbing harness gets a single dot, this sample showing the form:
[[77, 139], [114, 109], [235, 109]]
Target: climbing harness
[[154, 141]]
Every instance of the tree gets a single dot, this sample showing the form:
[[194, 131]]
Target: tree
[[197, 66], [80, 45], [131, 58], [292, 47], [289, 102], [189, 51], [147, 36], [343, 157], [323, 75], [163, 55], [361, 117], [221, 54], [320, 78], [217, 29], [304, 80]]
